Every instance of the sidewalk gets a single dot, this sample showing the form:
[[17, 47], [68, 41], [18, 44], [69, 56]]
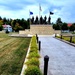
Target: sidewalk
[[61, 56]]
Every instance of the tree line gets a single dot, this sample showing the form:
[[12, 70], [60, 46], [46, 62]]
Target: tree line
[[59, 25], [21, 24], [17, 24], [41, 20]]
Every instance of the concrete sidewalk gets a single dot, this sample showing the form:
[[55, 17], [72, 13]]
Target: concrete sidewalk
[[61, 56]]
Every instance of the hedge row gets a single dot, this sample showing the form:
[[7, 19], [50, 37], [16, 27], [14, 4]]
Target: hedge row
[[33, 59]]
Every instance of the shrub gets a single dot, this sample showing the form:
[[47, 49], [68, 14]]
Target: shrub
[[7, 31], [33, 49], [33, 61], [33, 70], [34, 46], [1, 27], [33, 54]]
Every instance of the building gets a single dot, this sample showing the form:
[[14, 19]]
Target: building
[[7, 27], [69, 24]]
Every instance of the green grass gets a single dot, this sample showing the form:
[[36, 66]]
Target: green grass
[[73, 32], [67, 38], [12, 54]]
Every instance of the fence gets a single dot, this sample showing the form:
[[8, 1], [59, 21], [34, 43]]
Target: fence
[[69, 38]]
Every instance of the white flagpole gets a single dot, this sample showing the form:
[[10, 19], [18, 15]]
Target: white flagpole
[[49, 15], [29, 18], [39, 13]]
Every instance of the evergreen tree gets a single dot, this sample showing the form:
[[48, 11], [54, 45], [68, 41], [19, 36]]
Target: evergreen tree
[[56, 27], [5, 20], [59, 23], [64, 26], [41, 20], [28, 23], [32, 20], [45, 18], [36, 20], [72, 27], [49, 20], [0, 18]]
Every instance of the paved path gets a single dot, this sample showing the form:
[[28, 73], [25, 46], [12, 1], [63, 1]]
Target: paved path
[[61, 56]]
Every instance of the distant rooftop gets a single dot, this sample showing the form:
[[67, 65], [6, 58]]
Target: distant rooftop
[[6, 26], [69, 24]]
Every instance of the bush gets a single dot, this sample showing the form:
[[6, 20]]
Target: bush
[[56, 27], [33, 61], [33, 70], [7, 31], [1, 27], [64, 26], [33, 54], [33, 45], [33, 49]]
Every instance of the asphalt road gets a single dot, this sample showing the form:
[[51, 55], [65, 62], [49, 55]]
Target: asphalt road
[[61, 56]]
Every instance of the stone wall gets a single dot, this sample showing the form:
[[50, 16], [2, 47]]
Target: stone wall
[[40, 30]]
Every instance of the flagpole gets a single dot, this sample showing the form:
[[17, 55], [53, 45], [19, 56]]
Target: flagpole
[[49, 16], [39, 14], [29, 18]]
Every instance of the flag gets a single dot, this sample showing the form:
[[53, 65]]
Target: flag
[[51, 13], [40, 8], [31, 13]]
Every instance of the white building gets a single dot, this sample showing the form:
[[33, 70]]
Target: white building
[[7, 27]]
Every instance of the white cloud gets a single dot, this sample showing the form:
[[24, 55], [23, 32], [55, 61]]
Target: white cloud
[[20, 9]]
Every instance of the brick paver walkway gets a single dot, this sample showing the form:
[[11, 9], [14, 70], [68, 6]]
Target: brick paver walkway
[[61, 56]]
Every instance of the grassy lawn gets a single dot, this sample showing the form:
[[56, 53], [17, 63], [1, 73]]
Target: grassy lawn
[[67, 38], [12, 54]]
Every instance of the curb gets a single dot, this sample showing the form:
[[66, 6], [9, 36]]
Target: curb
[[24, 65]]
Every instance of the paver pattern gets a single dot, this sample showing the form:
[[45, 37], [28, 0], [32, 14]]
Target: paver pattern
[[61, 56]]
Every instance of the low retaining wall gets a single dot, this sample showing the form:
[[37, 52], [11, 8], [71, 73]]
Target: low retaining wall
[[40, 30]]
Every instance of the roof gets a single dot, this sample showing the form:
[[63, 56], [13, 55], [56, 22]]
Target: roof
[[6, 26], [69, 24]]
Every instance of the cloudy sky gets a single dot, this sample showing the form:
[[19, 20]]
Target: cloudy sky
[[65, 9]]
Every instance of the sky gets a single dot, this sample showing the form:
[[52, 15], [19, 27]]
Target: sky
[[64, 9]]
